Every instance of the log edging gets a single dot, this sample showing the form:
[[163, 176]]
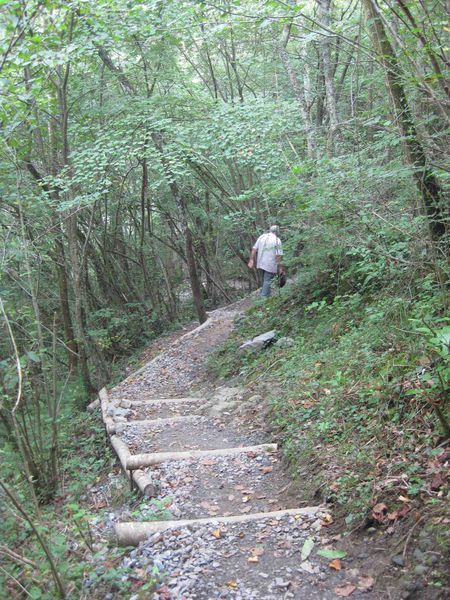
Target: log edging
[[136, 476]]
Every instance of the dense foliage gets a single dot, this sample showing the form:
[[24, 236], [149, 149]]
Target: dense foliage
[[145, 145]]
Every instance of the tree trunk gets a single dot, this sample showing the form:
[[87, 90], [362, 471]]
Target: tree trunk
[[324, 17], [424, 177], [303, 107], [189, 247]]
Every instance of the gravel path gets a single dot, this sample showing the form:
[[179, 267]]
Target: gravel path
[[162, 408]]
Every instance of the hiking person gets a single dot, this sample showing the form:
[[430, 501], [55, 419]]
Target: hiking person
[[268, 252]]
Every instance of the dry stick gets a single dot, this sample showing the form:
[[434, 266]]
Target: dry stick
[[409, 536], [15, 581], [42, 542], [17, 557]]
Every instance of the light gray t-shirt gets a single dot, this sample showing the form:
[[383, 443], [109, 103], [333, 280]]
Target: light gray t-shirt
[[268, 246]]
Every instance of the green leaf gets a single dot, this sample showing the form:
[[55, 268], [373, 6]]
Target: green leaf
[[33, 356], [307, 548], [332, 553]]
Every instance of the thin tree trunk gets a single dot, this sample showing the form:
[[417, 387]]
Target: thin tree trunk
[[305, 113], [425, 180], [324, 7]]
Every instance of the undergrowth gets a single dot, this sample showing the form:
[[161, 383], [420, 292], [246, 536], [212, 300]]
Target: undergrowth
[[72, 525], [359, 398]]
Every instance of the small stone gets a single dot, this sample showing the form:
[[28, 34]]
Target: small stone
[[398, 560], [420, 570], [285, 342], [93, 405], [282, 584]]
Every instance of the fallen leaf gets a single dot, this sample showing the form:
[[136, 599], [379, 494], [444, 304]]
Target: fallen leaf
[[308, 404], [307, 548], [246, 499], [326, 520], [404, 510], [404, 499], [308, 567], [266, 470], [335, 564], [253, 559], [365, 583], [344, 590], [217, 533], [232, 584], [437, 482], [332, 554], [379, 512]]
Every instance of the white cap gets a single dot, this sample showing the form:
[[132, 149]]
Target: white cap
[[273, 229]]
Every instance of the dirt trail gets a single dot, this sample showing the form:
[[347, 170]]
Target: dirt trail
[[222, 523]]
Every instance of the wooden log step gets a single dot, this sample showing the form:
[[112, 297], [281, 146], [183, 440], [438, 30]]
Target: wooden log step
[[132, 533], [141, 479], [157, 401], [138, 461]]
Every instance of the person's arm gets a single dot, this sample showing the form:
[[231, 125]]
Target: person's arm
[[251, 262]]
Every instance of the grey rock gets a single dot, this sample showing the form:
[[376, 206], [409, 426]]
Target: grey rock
[[251, 346], [125, 404], [121, 412], [282, 584], [420, 570], [398, 560], [431, 559], [93, 405], [418, 554], [259, 342]]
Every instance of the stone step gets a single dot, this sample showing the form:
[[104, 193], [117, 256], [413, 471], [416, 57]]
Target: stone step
[[132, 533]]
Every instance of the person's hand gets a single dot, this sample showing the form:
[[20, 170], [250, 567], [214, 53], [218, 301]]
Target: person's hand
[[251, 263]]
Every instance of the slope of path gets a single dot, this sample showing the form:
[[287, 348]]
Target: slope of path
[[234, 531]]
